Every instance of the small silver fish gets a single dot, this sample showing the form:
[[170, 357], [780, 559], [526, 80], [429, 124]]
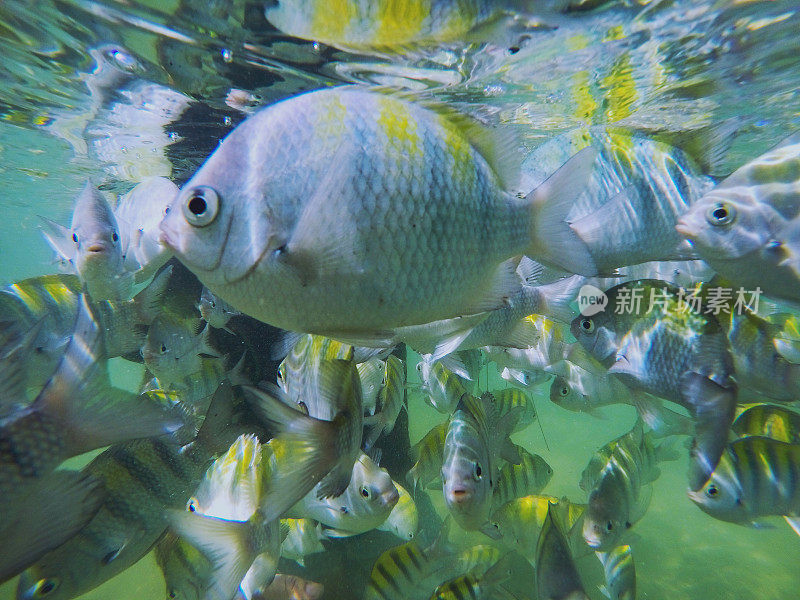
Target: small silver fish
[[304, 537], [92, 245], [173, 351], [477, 439], [364, 505], [214, 311], [139, 213]]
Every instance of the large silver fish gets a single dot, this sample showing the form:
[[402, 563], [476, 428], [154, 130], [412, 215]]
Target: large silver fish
[[403, 210], [477, 439]]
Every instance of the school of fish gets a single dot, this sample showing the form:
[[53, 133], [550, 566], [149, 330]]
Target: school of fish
[[349, 255]]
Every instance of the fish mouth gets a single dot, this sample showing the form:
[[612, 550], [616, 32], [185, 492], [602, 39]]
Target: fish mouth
[[685, 230], [460, 496], [96, 248]]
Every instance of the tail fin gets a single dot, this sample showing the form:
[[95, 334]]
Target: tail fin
[[556, 298], [150, 300], [714, 408], [552, 239], [80, 396], [224, 543], [305, 451], [53, 512]]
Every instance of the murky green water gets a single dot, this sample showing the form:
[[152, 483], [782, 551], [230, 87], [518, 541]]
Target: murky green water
[[118, 91]]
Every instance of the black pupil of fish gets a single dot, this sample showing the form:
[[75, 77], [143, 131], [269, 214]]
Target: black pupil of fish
[[712, 491], [114, 236], [364, 492], [478, 470], [48, 587], [197, 205], [75, 237], [720, 213]]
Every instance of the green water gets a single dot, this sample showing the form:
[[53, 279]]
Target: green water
[[655, 65]]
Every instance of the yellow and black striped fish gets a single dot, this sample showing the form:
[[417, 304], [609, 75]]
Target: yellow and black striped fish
[[512, 397], [428, 452], [409, 571], [515, 481], [620, 573], [756, 477], [520, 521], [476, 585], [769, 420], [142, 479]]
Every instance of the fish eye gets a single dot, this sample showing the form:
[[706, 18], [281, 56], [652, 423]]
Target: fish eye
[[45, 586], [411, 535], [114, 236], [191, 505], [213, 304], [365, 492], [163, 348], [111, 556], [201, 207], [609, 526], [564, 391], [75, 237], [478, 471], [720, 213], [587, 325], [712, 491], [172, 595]]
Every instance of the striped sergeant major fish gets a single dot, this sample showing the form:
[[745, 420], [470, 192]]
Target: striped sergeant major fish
[[409, 571], [477, 586], [48, 307], [515, 481], [77, 411], [769, 420], [620, 487], [757, 477], [477, 439], [620, 573], [141, 479]]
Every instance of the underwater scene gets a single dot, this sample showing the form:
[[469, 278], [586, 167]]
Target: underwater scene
[[399, 299]]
